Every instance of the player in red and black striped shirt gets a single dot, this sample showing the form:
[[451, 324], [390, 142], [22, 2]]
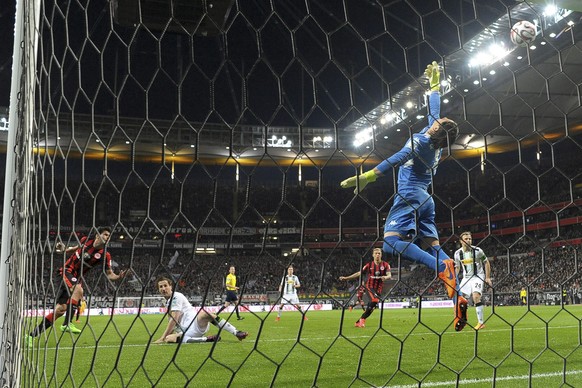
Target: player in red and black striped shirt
[[377, 272], [91, 254]]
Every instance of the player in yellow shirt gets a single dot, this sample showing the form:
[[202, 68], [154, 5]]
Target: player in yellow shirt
[[231, 296], [523, 296]]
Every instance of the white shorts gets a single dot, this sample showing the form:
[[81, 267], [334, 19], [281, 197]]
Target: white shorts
[[471, 285], [290, 299], [194, 330]]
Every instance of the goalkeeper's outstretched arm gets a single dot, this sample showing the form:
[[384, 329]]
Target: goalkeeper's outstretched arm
[[362, 180], [406, 153]]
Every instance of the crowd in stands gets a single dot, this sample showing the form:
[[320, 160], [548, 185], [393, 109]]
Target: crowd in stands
[[146, 211], [544, 272]]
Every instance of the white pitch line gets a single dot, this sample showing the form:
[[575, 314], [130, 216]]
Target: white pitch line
[[463, 382], [448, 383]]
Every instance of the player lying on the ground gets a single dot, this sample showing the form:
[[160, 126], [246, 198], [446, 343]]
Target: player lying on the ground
[[413, 211], [184, 323]]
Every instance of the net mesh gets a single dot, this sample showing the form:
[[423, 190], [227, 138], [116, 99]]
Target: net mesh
[[216, 134]]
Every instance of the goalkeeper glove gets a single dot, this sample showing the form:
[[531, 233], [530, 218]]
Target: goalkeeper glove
[[364, 179], [434, 76]]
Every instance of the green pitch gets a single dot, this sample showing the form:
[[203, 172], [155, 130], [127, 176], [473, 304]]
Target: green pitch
[[520, 348]]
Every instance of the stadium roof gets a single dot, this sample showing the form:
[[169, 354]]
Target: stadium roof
[[525, 97]]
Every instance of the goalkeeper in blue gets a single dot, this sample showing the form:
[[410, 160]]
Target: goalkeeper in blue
[[413, 211]]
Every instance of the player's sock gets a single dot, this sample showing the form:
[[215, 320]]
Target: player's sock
[[394, 246], [220, 309], [196, 339], [369, 310], [236, 311], [71, 311], [224, 325], [479, 309], [367, 313], [279, 312], [45, 324]]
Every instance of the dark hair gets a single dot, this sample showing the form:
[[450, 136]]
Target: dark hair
[[162, 278], [102, 229], [445, 135]]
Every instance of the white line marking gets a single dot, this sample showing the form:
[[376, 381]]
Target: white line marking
[[463, 382]]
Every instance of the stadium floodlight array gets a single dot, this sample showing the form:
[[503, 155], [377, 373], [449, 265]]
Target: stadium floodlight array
[[215, 133]]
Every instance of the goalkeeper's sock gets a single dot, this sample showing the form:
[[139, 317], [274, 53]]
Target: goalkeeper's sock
[[224, 325], [45, 324], [393, 245]]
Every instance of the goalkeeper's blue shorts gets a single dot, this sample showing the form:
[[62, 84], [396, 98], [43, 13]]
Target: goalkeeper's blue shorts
[[412, 213]]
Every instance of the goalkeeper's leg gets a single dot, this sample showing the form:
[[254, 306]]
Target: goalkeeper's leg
[[438, 261], [394, 246]]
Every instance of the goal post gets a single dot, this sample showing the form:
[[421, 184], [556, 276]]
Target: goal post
[[16, 232]]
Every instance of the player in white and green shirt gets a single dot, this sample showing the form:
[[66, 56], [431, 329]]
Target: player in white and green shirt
[[185, 324], [289, 285], [476, 270]]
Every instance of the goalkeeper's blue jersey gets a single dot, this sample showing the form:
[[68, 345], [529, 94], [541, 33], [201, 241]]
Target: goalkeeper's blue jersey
[[419, 169], [418, 159]]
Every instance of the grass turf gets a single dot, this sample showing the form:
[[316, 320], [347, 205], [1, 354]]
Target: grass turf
[[518, 348]]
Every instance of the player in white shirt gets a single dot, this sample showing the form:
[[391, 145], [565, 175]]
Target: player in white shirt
[[184, 323], [476, 270], [289, 286]]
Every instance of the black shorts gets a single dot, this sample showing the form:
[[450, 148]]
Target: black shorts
[[231, 296], [67, 281], [370, 296]]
